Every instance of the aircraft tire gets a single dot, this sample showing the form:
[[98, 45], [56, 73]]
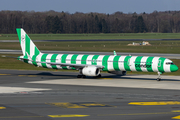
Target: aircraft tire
[[79, 76]]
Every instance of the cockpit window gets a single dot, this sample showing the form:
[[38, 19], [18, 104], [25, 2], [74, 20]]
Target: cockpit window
[[169, 63]]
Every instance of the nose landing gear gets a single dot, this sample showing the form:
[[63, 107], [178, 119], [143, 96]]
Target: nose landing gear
[[159, 76]]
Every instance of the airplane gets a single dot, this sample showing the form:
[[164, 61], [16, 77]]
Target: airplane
[[92, 65]]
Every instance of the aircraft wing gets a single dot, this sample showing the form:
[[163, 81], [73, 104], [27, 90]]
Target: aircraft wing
[[15, 57], [77, 66]]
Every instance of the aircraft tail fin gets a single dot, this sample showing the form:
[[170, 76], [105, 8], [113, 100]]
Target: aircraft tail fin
[[27, 45]]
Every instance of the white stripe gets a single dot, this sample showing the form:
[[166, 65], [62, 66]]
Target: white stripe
[[32, 48], [166, 67], [38, 58], [121, 63], [48, 59], [23, 34], [30, 62], [68, 60], [155, 64], [99, 60], [58, 60], [143, 61], [78, 59], [110, 63], [132, 64], [89, 59]]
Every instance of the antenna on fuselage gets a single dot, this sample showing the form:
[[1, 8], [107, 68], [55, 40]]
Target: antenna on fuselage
[[115, 53]]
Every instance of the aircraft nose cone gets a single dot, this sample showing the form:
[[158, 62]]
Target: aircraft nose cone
[[174, 68]]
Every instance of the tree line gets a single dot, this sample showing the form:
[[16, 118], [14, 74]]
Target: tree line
[[63, 22]]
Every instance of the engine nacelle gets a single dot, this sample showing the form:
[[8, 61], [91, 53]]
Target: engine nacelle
[[90, 71], [118, 72]]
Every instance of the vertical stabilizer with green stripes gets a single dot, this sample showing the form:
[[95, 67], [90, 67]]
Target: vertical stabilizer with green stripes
[[27, 46]]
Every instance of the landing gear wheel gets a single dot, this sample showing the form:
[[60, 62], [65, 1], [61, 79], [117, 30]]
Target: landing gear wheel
[[83, 76], [99, 76], [79, 76]]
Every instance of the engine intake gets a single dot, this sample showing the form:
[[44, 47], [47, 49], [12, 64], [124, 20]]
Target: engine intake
[[90, 71]]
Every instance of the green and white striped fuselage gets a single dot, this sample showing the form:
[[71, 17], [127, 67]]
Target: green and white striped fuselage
[[109, 62], [91, 65]]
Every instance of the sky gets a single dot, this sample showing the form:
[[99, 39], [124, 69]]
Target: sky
[[87, 6]]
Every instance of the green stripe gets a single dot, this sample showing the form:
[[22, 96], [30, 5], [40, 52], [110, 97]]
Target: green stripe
[[105, 63], [161, 68], [63, 60], [53, 60], [115, 63], [149, 62], [19, 34], [138, 63], [84, 58], [27, 41], [36, 51], [43, 59], [34, 59], [126, 63], [94, 58], [73, 58], [26, 57]]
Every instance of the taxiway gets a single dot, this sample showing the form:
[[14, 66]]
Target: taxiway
[[42, 95]]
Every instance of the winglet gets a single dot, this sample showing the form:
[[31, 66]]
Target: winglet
[[115, 53]]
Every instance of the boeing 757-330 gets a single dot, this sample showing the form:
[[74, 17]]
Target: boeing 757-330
[[92, 65]]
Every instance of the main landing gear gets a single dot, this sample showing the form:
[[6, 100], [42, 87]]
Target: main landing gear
[[81, 76], [99, 76], [159, 76]]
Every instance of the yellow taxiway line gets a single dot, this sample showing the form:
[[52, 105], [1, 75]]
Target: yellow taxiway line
[[60, 116], [155, 103], [2, 107], [176, 117], [79, 105], [4, 74]]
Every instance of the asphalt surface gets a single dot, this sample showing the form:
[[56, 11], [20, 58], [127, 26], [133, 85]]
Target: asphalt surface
[[170, 56], [42, 95]]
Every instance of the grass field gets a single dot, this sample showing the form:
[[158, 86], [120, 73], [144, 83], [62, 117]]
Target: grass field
[[106, 46], [94, 36]]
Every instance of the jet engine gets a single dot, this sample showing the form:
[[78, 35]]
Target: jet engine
[[118, 72], [90, 71]]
